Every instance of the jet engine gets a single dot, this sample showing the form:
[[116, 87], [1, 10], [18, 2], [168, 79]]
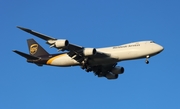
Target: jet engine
[[111, 76], [60, 43], [89, 51], [117, 70]]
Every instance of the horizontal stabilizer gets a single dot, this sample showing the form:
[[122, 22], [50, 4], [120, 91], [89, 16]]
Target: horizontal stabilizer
[[42, 36], [27, 56]]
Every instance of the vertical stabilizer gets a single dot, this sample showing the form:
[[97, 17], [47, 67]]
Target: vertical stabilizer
[[35, 49]]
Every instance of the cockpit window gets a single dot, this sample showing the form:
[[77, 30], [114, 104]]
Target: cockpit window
[[151, 41]]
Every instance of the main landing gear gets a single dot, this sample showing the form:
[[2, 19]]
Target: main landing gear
[[147, 61]]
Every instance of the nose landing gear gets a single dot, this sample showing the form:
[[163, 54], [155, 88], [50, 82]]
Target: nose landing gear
[[147, 61]]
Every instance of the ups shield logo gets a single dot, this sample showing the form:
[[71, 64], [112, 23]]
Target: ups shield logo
[[33, 49]]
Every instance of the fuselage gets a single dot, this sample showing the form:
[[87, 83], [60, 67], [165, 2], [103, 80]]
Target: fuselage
[[130, 51]]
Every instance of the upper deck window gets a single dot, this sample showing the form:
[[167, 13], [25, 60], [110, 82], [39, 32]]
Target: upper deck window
[[151, 41]]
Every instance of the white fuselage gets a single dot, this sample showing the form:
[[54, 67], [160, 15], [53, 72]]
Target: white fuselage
[[135, 50]]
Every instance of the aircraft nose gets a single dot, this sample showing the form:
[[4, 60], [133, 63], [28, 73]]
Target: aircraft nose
[[159, 48]]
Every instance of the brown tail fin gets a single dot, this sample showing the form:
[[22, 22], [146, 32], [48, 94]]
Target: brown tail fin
[[35, 49]]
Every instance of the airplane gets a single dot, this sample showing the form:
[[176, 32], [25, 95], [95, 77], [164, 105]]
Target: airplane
[[101, 61]]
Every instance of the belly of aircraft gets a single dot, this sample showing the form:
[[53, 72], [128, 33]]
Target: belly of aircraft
[[102, 61], [62, 60]]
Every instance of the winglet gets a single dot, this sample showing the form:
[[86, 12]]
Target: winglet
[[24, 29], [42, 36]]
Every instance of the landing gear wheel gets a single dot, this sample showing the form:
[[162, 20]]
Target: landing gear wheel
[[83, 67], [147, 62], [88, 69], [147, 57]]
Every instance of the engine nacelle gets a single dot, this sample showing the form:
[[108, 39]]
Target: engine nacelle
[[111, 76], [118, 70], [89, 51], [60, 43]]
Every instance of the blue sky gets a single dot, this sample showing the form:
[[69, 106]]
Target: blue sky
[[96, 23]]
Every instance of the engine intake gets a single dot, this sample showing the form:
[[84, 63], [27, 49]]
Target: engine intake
[[118, 70], [89, 51], [60, 43]]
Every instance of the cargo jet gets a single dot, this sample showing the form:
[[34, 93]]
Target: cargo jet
[[101, 61]]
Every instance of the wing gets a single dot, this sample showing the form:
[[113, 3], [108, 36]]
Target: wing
[[48, 38], [75, 51]]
